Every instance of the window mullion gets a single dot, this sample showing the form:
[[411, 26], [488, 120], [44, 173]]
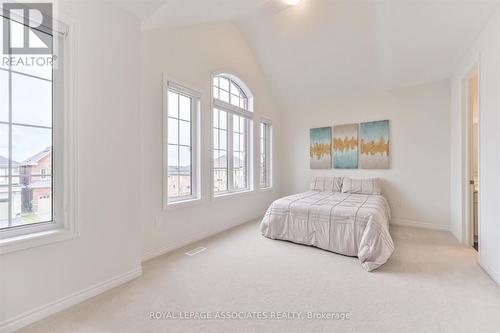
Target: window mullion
[[191, 141], [246, 167], [9, 164], [230, 153], [178, 146], [266, 152]]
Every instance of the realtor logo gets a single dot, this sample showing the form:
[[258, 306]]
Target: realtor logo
[[27, 28]]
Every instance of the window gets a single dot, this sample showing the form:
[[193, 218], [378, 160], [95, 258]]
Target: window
[[265, 154], [181, 114], [37, 143], [232, 129]]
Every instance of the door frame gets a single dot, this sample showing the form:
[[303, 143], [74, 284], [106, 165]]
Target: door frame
[[466, 148]]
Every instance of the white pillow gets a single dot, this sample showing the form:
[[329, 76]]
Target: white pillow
[[361, 186], [327, 184]]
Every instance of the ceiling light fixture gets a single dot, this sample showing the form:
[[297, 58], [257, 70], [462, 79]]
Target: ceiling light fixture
[[291, 2]]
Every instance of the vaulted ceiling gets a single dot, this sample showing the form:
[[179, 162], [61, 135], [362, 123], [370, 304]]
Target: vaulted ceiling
[[320, 49]]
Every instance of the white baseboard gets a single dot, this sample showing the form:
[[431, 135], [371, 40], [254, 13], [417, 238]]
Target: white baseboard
[[156, 252], [46, 310], [494, 275], [420, 224]]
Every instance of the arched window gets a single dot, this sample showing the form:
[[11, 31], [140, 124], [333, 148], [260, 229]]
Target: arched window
[[232, 132]]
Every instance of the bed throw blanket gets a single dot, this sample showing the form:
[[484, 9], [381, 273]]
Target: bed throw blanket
[[345, 223]]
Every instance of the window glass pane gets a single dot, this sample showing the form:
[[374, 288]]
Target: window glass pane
[[173, 104], [185, 133], [40, 66], [4, 203], [184, 108], [224, 84], [216, 92], [33, 198], [4, 95], [173, 131], [242, 124], [235, 100], [223, 140], [217, 163], [220, 171], [173, 184], [239, 175], [224, 96], [216, 138], [185, 171], [234, 89], [222, 119], [216, 118], [31, 101], [185, 184], [41, 69], [237, 162], [4, 143], [4, 180], [30, 143], [236, 142], [185, 159], [242, 143], [173, 158], [236, 123], [32, 164], [16, 31]]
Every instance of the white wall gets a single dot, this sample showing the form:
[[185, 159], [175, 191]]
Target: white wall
[[108, 187], [486, 52], [417, 184], [191, 55]]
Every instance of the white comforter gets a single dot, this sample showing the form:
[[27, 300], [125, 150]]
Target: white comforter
[[349, 224]]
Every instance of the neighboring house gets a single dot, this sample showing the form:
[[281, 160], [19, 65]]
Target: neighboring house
[[36, 176], [4, 191], [179, 180], [220, 173]]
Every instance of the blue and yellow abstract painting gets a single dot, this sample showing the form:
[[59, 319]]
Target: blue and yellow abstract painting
[[320, 148], [345, 146], [374, 145]]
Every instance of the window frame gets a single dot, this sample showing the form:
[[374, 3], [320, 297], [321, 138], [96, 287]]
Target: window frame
[[178, 87], [231, 110], [268, 147], [64, 224]]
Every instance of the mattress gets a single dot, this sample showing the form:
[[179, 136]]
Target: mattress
[[349, 224]]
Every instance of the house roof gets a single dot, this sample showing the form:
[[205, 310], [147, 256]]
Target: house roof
[[222, 160], [33, 160], [4, 162]]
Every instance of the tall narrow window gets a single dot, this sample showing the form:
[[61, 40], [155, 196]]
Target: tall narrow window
[[265, 154], [232, 132], [37, 150], [181, 136], [26, 140]]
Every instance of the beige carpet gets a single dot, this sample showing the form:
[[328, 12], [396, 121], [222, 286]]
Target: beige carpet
[[431, 284]]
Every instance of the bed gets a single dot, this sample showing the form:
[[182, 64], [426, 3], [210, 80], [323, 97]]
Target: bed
[[341, 215]]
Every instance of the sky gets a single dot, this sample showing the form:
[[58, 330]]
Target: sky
[[31, 105]]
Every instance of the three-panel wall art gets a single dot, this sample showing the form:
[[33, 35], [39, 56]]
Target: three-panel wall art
[[350, 146]]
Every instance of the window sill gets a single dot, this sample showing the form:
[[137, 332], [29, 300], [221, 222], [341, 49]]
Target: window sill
[[35, 239], [182, 204], [226, 195], [266, 189]]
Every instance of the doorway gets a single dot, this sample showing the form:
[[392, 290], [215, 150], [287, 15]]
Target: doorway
[[472, 108]]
